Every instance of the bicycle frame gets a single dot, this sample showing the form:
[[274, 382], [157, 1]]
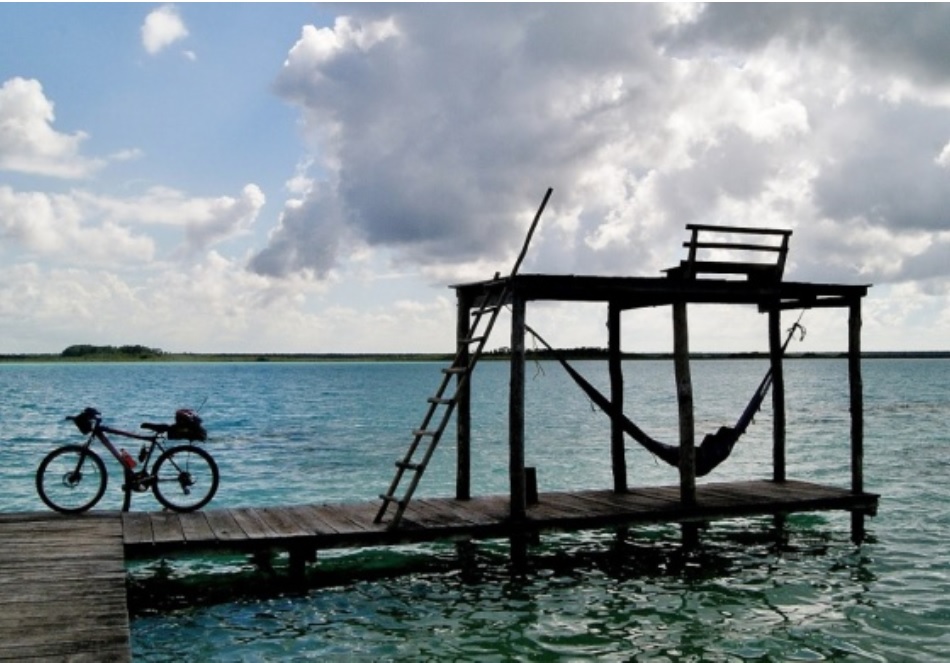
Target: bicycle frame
[[100, 431]]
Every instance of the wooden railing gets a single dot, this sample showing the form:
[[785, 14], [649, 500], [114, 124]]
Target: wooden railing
[[717, 249]]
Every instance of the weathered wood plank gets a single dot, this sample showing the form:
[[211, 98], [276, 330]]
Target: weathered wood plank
[[195, 527], [343, 519], [337, 520], [224, 526], [253, 524], [136, 528], [166, 527], [286, 523], [432, 513], [361, 516], [488, 510], [318, 519]]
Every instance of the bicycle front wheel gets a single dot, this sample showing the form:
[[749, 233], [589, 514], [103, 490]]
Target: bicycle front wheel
[[186, 478], [71, 479]]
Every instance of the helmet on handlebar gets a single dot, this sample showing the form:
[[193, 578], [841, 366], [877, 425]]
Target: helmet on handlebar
[[86, 420]]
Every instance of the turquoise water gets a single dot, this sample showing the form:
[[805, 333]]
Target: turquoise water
[[293, 433]]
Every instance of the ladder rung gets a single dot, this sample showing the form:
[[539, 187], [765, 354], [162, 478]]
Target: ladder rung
[[406, 465], [441, 401], [455, 370], [491, 308], [391, 498], [421, 432], [472, 339]]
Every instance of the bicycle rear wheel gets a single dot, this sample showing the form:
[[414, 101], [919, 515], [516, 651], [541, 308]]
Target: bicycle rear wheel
[[186, 478], [71, 479]]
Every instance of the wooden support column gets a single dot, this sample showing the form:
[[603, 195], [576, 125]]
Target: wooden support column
[[857, 414], [778, 395], [463, 412], [684, 396], [617, 450], [298, 558], [516, 441]]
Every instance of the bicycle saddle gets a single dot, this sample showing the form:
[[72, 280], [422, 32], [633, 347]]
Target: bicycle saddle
[[157, 428]]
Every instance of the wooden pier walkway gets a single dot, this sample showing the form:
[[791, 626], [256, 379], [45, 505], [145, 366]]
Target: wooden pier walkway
[[62, 588], [63, 578], [310, 527]]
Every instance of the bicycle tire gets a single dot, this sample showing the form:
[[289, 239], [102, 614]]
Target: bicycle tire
[[71, 479], [185, 478]]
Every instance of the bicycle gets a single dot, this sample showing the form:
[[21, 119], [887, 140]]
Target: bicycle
[[73, 478]]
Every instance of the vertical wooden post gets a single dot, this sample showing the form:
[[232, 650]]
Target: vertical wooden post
[[516, 410], [297, 562], [857, 414], [463, 413], [617, 451], [778, 395], [684, 396]]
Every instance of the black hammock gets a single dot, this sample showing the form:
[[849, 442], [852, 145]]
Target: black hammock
[[715, 447]]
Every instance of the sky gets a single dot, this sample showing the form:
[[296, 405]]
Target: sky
[[312, 178]]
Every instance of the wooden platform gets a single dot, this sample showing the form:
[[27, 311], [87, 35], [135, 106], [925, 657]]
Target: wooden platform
[[310, 527], [62, 579], [62, 588]]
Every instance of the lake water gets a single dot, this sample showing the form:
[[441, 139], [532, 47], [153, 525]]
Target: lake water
[[329, 432]]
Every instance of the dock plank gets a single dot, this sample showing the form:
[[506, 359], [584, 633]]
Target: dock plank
[[252, 522], [136, 528], [166, 527], [309, 518], [285, 523], [195, 527], [223, 525]]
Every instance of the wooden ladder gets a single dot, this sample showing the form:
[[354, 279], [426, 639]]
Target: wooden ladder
[[441, 405]]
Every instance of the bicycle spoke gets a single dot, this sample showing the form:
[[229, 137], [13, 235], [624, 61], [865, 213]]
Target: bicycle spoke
[[71, 479], [186, 478]]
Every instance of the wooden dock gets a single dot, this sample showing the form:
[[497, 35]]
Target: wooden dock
[[307, 528], [63, 578], [62, 588]]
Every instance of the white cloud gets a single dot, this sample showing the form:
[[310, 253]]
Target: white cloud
[[206, 221], [162, 28], [80, 226], [943, 159], [318, 47], [28, 142], [57, 225]]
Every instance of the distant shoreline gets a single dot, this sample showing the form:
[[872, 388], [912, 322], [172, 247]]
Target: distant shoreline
[[331, 357]]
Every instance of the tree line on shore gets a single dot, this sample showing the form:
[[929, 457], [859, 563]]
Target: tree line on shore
[[134, 353]]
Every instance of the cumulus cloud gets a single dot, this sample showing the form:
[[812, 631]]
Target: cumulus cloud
[[58, 224], [206, 221], [162, 28], [438, 131], [80, 226], [28, 141]]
